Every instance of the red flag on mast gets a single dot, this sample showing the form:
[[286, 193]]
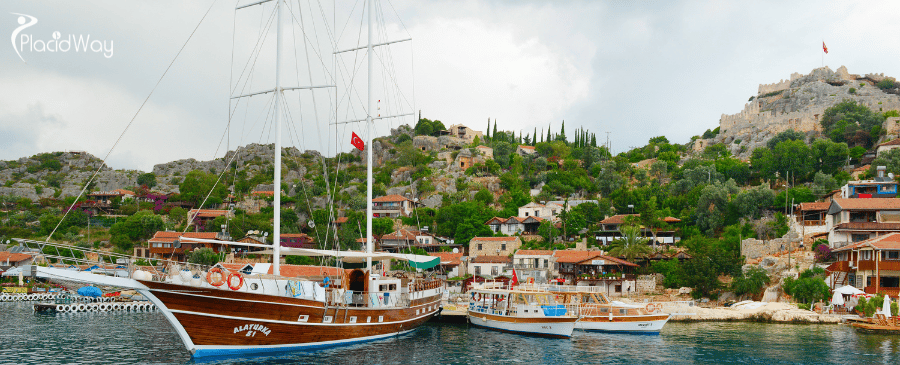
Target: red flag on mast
[[824, 48], [515, 280], [357, 142]]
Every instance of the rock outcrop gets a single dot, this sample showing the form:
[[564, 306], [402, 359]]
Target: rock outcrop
[[798, 104], [753, 311]]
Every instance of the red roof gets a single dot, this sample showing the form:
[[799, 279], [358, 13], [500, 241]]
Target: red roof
[[403, 234], [491, 260], [574, 256], [496, 219], [13, 257], [448, 258], [124, 192], [535, 252], [867, 204], [390, 199], [169, 237], [607, 258], [495, 239], [620, 218], [893, 142], [340, 220], [814, 206], [526, 147], [208, 213], [307, 270], [890, 241]]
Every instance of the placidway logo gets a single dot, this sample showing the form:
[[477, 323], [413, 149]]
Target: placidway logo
[[79, 43]]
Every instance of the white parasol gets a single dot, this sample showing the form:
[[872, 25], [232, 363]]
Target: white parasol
[[838, 298], [886, 307], [848, 290]]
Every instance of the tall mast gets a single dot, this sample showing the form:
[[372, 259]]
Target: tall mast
[[370, 240], [276, 236]]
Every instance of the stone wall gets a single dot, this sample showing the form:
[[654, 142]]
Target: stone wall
[[752, 248]]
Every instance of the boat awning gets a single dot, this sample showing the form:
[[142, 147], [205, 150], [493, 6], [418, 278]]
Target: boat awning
[[416, 261]]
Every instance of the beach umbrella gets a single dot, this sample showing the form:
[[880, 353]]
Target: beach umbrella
[[886, 307], [848, 290], [838, 298]]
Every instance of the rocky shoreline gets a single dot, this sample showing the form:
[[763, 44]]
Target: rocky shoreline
[[750, 312]]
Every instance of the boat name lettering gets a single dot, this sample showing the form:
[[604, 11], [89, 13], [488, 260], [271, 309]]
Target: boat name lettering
[[252, 329]]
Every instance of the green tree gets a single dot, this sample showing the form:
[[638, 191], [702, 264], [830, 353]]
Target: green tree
[[197, 184], [751, 282], [148, 179], [788, 135], [632, 245], [890, 160], [750, 203], [203, 256], [851, 122], [484, 196], [809, 287]]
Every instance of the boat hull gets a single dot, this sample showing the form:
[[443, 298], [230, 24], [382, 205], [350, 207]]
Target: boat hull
[[216, 322], [558, 327], [650, 324]]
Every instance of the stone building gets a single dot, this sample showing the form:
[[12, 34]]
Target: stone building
[[501, 246]]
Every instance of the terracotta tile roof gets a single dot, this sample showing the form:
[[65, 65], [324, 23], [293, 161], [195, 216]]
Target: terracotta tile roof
[[497, 219], [491, 260], [495, 239], [526, 147], [402, 234], [340, 220], [448, 258], [866, 204], [307, 270], [390, 198], [269, 193], [893, 142], [295, 235], [620, 218], [169, 237], [13, 257], [890, 241], [535, 252], [124, 192], [574, 256], [815, 206], [208, 213], [611, 259]]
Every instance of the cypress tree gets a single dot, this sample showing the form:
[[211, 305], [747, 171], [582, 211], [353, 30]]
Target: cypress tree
[[562, 131], [542, 135], [549, 138], [495, 127], [487, 131], [593, 140]]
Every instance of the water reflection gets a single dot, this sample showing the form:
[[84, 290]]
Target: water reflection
[[146, 338]]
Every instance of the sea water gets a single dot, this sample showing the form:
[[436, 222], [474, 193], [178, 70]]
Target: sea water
[[27, 337]]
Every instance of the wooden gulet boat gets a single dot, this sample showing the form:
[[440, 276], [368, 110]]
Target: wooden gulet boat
[[520, 311], [597, 313], [222, 313]]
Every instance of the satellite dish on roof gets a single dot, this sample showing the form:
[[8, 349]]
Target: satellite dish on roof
[[455, 250], [311, 224]]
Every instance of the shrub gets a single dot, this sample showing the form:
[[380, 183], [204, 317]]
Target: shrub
[[852, 90], [751, 282], [885, 84]]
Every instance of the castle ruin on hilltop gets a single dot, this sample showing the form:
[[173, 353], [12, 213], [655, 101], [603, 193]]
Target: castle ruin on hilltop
[[798, 104]]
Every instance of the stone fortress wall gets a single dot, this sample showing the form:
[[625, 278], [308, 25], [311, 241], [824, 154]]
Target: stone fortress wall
[[799, 105]]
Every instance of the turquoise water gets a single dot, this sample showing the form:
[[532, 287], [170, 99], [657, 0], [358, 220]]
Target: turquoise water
[[146, 338]]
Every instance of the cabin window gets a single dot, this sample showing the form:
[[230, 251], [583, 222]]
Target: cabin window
[[623, 311], [604, 310], [865, 255], [327, 319], [303, 318]]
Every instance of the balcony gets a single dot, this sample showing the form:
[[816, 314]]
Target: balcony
[[894, 292]]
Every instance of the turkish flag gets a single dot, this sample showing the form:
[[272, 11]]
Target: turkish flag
[[515, 280], [824, 48], [357, 142]]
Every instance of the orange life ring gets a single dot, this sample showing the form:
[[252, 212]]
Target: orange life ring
[[240, 281], [221, 276], [530, 280], [652, 307]]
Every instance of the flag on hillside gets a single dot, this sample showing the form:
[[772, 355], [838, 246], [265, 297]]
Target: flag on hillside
[[357, 142], [824, 48], [515, 280]]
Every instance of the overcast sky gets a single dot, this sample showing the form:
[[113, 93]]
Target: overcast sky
[[634, 69]]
